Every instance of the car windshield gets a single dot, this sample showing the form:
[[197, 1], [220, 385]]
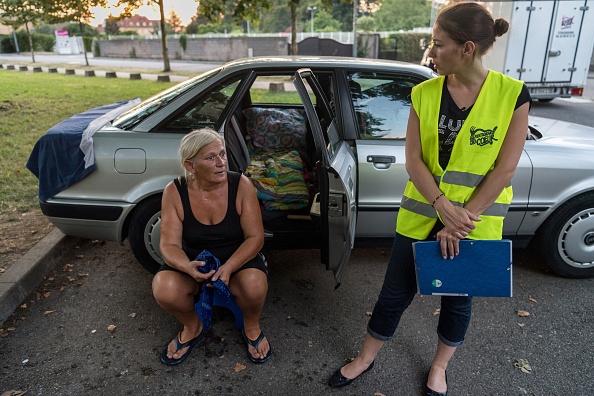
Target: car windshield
[[138, 113]]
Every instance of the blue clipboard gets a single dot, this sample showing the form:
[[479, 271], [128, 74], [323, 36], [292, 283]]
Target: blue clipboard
[[483, 268]]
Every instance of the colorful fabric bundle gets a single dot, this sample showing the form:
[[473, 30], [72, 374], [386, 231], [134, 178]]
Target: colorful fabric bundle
[[278, 179]]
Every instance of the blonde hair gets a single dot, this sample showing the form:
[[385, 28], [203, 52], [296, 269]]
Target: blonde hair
[[193, 142]]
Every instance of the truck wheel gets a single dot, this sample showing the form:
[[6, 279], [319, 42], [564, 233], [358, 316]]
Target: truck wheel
[[144, 234], [566, 239]]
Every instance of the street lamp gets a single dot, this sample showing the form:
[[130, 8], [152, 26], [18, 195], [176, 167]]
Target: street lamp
[[312, 9], [355, 12]]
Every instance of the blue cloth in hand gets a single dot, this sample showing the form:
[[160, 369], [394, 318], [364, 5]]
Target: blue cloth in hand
[[207, 295]]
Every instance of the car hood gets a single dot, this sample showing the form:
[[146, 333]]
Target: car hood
[[559, 134]]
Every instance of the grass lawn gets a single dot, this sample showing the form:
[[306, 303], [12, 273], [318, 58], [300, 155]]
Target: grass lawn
[[30, 104]]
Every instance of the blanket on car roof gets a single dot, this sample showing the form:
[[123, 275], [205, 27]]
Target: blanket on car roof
[[64, 155]]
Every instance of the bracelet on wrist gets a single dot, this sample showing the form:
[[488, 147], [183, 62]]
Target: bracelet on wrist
[[435, 200]]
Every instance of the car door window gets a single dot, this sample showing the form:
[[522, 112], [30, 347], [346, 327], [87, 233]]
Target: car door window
[[275, 90], [381, 103], [205, 110]]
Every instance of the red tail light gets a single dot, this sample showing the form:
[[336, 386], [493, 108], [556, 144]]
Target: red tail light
[[577, 91]]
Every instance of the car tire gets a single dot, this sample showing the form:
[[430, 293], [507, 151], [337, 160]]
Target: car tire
[[566, 239], [144, 234]]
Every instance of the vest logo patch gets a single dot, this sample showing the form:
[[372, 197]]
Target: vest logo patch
[[482, 137]]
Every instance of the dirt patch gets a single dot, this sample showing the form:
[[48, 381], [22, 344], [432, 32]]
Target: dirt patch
[[6, 105], [19, 233]]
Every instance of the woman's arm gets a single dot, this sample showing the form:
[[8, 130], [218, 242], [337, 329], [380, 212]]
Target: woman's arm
[[496, 180], [171, 236], [250, 217], [458, 220], [505, 165]]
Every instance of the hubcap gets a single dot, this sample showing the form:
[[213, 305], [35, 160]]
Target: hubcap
[[152, 237], [589, 239], [576, 241]]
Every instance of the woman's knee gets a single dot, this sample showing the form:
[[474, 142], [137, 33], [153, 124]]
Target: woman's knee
[[250, 283], [168, 286]]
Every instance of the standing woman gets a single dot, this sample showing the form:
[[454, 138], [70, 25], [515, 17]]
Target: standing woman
[[465, 136], [217, 210]]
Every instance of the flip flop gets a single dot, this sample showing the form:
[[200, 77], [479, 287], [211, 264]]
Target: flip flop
[[178, 345], [255, 344]]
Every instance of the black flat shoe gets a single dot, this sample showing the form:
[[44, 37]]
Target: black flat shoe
[[431, 392], [338, 380]]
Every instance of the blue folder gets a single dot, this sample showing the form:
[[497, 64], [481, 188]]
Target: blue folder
[[483, 268]]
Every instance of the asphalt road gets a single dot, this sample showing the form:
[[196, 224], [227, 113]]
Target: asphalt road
[[61, 343]]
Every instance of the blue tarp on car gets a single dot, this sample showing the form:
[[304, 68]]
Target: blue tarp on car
[[58, 159]]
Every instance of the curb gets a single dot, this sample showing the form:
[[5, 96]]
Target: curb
[[99, 73], [24, 276]]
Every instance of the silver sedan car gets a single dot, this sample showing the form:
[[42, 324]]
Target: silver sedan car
[[323, 141]]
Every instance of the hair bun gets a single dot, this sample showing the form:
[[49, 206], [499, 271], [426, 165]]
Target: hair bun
[[501, 27]]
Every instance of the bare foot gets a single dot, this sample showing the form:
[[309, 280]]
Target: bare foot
[[183, 337], [263, 346], [436, 380]]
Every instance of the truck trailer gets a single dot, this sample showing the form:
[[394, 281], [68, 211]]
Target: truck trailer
[[549, 45]]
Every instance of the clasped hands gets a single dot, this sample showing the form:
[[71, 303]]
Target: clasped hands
[[223, 273], [459, 222]]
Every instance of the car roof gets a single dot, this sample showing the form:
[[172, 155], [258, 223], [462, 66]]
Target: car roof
[[281, 62]]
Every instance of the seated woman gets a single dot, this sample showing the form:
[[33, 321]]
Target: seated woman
[[210, 208]]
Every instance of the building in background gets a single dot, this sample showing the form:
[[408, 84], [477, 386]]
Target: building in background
[[137, 23]]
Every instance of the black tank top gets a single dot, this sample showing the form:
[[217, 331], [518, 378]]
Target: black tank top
[[220, 239]]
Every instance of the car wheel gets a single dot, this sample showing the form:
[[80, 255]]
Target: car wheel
[[144, 234], [567, 238]]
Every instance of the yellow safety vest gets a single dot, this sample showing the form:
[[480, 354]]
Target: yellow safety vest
[[474, 153]]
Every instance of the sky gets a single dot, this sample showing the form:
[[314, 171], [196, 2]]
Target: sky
[[185, 9]]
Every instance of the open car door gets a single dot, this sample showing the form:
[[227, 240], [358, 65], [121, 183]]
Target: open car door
[[337, 176]]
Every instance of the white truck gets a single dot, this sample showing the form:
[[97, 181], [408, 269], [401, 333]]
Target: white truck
[[549, 45]]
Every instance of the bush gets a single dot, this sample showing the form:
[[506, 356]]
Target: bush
[[183, 41], [74, 30], [6, 45], [128, 33], [96, 49], [41, 42], [403, 47], [88, 43], [44, 42]]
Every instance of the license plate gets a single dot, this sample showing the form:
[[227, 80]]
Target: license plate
[[541, 91]]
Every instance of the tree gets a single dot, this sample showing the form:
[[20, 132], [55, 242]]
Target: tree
[[342, 11], [131, 5], [44, 28], [195, 23], [174, 21], [111, 26], [74, 29], [72, 11], [277, 19], [403, 14], [366, 23], [323, 22], [17, 13], [240, 10]]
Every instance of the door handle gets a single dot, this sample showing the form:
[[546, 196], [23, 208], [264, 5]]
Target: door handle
[[554, 53], [384, 159]]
